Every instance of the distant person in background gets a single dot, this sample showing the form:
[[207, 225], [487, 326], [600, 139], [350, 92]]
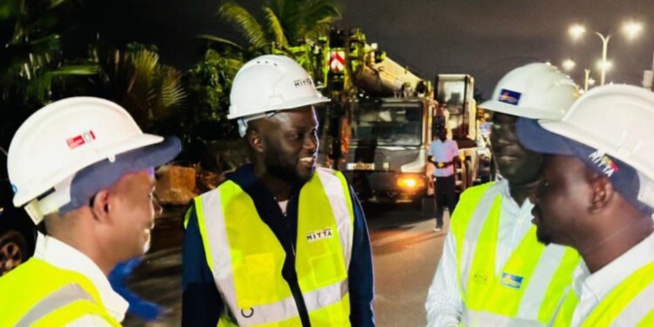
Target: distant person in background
[[443, 153]]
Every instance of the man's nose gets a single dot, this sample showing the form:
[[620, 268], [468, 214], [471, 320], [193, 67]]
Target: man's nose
[[156, 204]]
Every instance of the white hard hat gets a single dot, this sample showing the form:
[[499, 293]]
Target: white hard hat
[[267, 84], [67, 136], [614, 122], [536, 91]]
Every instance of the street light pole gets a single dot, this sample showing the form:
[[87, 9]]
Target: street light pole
[[605, 44]]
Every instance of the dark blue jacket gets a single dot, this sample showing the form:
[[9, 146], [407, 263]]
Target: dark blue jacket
[[202, 304]]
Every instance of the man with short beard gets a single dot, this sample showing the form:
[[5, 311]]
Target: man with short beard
[[596, 195], [280, 241], [493, 271]]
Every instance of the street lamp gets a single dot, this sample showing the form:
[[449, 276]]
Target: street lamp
[[569, 64], [631, 29]]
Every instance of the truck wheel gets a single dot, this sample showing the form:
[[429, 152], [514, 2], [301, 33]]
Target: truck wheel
[[13, 251]]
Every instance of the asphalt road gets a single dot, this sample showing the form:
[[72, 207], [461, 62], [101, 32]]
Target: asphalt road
[[405, 251]]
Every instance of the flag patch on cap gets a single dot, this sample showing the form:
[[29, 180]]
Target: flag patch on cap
[[510, 97]]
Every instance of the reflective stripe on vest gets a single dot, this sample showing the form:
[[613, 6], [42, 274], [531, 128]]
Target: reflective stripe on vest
[[508, 298], [628, 304], [44, 295], [59, 299], [246, 258]]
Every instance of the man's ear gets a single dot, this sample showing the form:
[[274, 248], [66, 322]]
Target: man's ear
[[100, 205], [601, 193], [255, 139]]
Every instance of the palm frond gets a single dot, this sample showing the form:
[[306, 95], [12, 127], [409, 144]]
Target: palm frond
[[172, 91], [245, 23], [217, 39], [275, 27]]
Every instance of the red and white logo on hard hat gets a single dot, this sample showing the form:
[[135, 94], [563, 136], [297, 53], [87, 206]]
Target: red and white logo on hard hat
[[337, 61], [81, 139]]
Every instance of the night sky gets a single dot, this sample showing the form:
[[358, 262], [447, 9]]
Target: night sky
[[483, 38]]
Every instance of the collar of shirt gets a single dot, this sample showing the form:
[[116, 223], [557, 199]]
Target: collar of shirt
[[64, 256], [515, 222], [591, 288], [523, 211]]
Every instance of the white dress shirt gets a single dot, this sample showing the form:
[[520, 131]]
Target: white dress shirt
[[64, 256], [591, 289], [444, 304]]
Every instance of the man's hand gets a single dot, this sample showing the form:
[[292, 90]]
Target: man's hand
[[444, 164]]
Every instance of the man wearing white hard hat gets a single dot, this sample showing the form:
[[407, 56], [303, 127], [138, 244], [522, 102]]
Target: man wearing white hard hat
[[493, 271], [280, 242], [84, 167], [596, 194]]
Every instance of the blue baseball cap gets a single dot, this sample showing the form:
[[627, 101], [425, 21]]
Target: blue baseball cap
[[625, 179], [100, 175]]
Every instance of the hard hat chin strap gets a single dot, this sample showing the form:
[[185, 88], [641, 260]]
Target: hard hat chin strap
[[46, 204], [646, 192]]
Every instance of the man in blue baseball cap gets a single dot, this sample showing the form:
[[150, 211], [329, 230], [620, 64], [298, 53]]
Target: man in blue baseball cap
[[83, 167], [596, 195]]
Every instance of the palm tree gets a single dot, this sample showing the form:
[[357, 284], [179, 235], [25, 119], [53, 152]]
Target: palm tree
[[31, 59], [284, 23], [134, 78]]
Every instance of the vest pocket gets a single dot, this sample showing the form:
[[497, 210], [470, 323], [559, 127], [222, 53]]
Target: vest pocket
[[327, 269], [261, 281]]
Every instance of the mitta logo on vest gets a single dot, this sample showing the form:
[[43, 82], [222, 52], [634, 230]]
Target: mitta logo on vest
[[319, 235], [511, 281]]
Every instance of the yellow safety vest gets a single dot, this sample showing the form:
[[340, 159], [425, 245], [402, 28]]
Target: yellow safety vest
[[41, 295], [631, 303], [529, 286], [246, 259]]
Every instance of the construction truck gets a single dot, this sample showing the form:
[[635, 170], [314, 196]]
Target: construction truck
[[380, 122], [463, 121]]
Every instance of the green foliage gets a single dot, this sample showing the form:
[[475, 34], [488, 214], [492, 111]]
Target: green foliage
[[152, 93], [208, 84], [286, 23], [32, 67]]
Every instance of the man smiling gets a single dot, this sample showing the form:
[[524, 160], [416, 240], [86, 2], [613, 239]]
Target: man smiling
[[493, 271], [596, 194], [280, 242]]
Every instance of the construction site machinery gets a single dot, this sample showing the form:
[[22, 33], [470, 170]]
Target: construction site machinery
[[380, 122]]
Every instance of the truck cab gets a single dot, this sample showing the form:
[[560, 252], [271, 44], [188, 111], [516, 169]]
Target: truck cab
[[388, 141]]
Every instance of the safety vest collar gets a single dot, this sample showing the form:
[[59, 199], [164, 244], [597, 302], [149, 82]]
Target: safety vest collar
[[508, 293]]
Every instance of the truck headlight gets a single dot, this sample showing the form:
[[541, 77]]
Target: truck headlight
[[410, 182]]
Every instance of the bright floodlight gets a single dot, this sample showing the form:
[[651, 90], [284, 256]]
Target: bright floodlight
[[632, 29], [591, 81], [568, 64], [577, 31], [604, 65]]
